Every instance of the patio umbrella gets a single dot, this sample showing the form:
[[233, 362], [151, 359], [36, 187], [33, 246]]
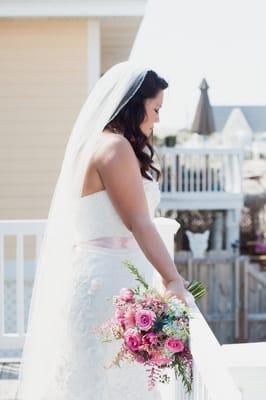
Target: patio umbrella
[[203, 122]]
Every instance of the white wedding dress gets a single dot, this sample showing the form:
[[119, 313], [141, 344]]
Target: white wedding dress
[[97, 275]]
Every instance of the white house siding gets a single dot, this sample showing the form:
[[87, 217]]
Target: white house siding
[[118, 34], [43, 85]]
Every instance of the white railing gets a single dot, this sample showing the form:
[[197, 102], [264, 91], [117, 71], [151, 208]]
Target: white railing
[[212, 380], [200, 172], [20, 230]]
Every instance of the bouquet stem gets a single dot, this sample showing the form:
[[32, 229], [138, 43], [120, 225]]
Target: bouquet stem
[[196, 288]]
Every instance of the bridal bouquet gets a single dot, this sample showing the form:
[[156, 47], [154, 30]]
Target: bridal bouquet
[[154, 330]]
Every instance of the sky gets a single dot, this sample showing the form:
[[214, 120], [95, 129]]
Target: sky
[[223, 41]]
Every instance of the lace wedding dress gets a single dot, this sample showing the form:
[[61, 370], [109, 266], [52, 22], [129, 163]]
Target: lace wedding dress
[[102, 243]]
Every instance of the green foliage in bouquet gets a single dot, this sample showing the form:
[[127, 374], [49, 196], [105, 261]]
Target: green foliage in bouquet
[[196, 288]]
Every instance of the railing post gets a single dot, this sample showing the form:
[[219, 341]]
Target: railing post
[[167, 228], [20, 283], [173, 173], [237, 294], [2, 286], [243, 295]]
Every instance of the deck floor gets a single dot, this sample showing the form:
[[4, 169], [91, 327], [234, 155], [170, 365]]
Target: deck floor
[[8, 379]]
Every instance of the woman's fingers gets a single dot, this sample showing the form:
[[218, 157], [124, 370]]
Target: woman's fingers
[[186, 283], [180, 296]]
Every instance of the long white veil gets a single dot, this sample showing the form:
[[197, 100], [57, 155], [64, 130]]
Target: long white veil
[[49, 303]]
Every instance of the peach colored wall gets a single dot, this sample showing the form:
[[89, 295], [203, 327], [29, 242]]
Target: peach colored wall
[[43, 82]]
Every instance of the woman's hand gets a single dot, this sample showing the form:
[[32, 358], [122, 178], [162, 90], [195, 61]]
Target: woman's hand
[[176, 288], [186, 283]]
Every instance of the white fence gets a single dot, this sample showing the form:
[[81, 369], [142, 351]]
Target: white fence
[[12, 276], [201, 177]]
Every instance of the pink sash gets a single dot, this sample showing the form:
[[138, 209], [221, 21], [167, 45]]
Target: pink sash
[[121, 242]]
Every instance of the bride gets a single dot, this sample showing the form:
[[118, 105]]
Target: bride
[[101, 214]]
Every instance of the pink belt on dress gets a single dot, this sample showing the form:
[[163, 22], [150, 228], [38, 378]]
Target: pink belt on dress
[[110, 242]]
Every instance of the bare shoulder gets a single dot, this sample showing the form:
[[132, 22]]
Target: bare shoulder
[[113, 140], [119, 170], [112, 146]]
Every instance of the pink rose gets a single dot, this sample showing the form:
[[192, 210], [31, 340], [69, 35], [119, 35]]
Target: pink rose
[[150, 338], [132, 339], [126, 294], [130, 320], [145, 319], [174, 345]]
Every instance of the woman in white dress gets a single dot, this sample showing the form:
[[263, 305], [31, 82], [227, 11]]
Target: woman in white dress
[[101, 214]]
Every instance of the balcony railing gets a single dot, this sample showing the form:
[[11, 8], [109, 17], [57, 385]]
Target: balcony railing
[[200, 174], [12, 275]]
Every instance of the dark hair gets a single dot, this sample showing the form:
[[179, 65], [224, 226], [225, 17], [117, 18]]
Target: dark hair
[[128, 120]]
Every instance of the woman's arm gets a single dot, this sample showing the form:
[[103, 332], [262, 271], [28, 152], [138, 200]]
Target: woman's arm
[[119, 169], [153, 247]]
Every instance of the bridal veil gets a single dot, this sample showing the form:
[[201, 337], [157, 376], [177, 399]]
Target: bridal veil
[[49, 303]]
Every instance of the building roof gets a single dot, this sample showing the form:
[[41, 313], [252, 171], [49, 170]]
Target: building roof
[[71, 8], [255, 116]]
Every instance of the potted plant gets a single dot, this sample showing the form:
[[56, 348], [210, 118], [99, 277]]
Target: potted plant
[[170, 141]]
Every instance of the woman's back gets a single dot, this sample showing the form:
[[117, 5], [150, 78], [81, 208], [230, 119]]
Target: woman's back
[[97, 218]]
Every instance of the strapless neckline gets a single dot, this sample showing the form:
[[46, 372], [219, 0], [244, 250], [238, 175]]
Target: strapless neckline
[[95, 209], [145, 180]]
